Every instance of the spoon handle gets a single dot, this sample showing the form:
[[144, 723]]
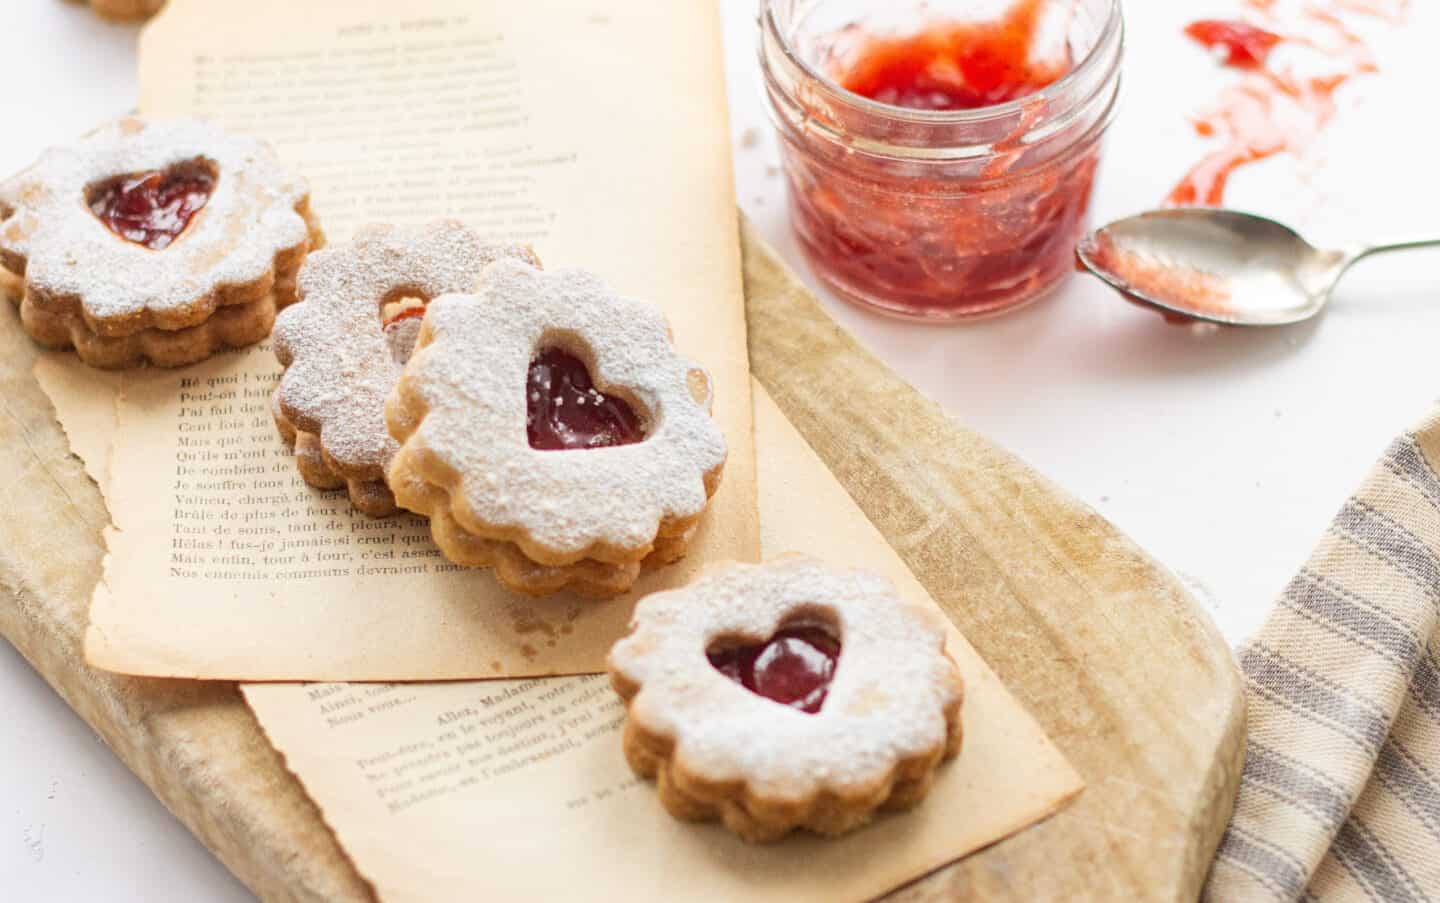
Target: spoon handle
[[1397, 245]]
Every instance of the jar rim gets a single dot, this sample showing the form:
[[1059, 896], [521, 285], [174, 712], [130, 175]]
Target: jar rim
[[1114, 22]]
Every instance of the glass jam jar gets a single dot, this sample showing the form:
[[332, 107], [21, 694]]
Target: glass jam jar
[[960, 186]]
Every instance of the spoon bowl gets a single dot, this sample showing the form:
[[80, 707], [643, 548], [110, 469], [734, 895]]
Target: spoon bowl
[[1220, 266]]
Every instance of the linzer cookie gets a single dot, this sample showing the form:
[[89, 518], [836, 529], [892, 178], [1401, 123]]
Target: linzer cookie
[[344, 344], [786, 695], [159, 241], [550, 430], [126, 10]]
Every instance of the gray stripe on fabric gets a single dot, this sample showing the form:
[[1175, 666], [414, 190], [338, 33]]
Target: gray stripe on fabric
[[1271, 866], [1305, 788], [1406, 460], [1372, 865], [1355, 618], [1314, 696], [1298, 785], [1425, 685], [1411, 782], [1382, 536], [1358, 617]]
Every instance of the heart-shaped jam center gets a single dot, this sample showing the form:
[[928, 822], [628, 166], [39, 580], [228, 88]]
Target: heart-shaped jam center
[[794, 667], [152, 208], [401, 324], [565, 410]]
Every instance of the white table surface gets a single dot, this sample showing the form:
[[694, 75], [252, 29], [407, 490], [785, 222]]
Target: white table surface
[[1223, 454]]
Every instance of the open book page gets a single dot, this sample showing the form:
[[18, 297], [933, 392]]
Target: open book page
[[594, 130], [492, 784]]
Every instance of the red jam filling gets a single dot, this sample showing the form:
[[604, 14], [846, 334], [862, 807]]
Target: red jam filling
[[955, 65], [793, 668], [565, 410], [1245, 45], [152, 208], [947, 245], [412, 312]]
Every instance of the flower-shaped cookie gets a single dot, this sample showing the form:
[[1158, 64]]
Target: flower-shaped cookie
[[161, 240], [344, 345], [787, 695], [546, 414]]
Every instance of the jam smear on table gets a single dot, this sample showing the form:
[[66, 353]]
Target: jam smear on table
[[564, 410], [1277, 109], [1246, 46], [955, 65], [794, 667], [152, 208]]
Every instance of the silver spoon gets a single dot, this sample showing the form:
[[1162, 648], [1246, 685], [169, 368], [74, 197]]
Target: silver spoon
[[1221, 266]]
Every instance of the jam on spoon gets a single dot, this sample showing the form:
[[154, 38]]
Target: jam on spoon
[[152, 208], [794, 667], [564, 410]]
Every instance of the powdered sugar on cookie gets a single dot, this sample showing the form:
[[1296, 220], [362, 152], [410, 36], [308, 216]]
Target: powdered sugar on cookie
[[256, 211], [893, 699], [461, 410], [341, 362]]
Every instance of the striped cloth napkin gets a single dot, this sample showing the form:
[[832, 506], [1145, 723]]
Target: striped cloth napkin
[[1340, 798]]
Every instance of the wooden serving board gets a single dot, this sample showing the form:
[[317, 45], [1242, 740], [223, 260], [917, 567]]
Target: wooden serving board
[[1102, 644]]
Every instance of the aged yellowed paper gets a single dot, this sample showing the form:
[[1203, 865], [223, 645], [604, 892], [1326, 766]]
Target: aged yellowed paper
[[223, 563], [518, 789], [89, 412]]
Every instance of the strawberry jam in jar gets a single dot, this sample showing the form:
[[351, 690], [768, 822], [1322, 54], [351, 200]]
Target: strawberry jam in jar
[[939, 154]]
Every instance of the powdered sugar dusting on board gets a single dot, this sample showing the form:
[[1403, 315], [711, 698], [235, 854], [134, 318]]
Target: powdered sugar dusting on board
[[341, 362], [462, 404], [66, 250], [887, 701]]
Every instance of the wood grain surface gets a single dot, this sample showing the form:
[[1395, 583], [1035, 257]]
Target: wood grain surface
[[1101, 643]]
